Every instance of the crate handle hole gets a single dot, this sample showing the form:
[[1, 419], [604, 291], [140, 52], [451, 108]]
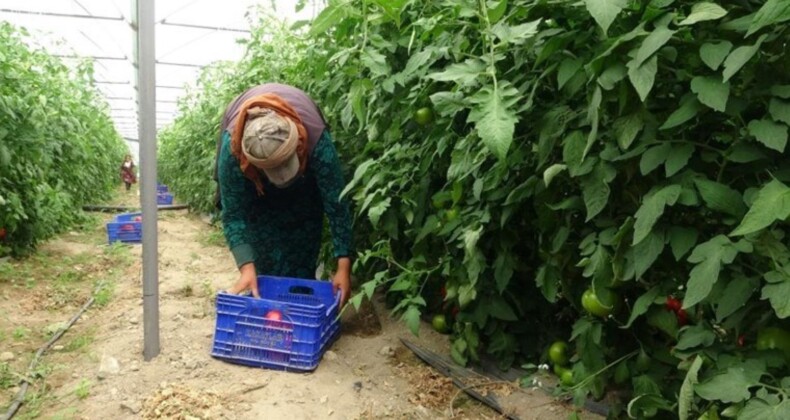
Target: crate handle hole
[[301, 290]]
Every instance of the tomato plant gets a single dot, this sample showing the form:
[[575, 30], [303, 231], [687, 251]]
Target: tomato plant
[[631, 147], [59, 149]]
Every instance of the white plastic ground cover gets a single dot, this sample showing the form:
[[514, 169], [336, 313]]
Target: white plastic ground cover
[[189, 35]]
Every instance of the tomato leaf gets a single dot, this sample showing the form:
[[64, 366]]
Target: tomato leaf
[[626, 128], [604, 11], [515, 35], [548, 281], [681, 240], [739, 57], [652, 43], [772, 12], [412, 318], [701, 12], [773, 135], [646, 252], [501, 310], [709, 257], [654, 157], [686, 397], [713, 54], [494, 117], [779, 110], [651, 209], [711, 92], [695, 336], [595, 189], [734, 297], [720, 197], [552, 171], [778, 293], [641, 305], [568, 68], [759, 409], [329, 17], [689, 109], [733, 385], [772, 203], [643, 76], [678, 158], [464, 73]]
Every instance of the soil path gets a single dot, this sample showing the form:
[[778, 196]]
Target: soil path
[[366, 374]]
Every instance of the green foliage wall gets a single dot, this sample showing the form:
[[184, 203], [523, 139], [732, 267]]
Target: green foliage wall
[[58, 147], [635, 149]]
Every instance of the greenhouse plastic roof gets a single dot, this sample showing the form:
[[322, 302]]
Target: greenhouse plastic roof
[[189, 35]]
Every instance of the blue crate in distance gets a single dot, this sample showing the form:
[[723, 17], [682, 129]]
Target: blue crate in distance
[[126, 228], [164, 199]]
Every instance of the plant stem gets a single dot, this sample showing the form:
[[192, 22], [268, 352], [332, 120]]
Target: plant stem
[[491, 46], [588, 379]]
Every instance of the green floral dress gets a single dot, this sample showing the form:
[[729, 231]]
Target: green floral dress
[[281, 230]]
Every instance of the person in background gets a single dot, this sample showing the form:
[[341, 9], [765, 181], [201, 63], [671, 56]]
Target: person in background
[[279, 174], [128, 172]]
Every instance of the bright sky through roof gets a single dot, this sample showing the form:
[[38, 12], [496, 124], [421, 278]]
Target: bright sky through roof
[[189, 34]]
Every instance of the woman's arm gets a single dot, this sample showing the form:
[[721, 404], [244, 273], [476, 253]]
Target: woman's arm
[[235, 205]]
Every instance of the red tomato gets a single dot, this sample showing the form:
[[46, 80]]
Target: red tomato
[[138, 219], [2, 233], [683, 317], [274, 315], [741, 340], [673, 304]]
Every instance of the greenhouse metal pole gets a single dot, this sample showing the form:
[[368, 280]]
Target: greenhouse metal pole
[[146, 81]]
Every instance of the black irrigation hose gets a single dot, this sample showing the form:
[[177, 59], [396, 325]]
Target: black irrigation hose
[[25, 381], [114, 209], [444, 367]]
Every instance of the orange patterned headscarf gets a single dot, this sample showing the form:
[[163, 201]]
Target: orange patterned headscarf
[[282, 108]]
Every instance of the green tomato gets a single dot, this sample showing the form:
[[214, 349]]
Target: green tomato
[[423, 116], [440, 324], [558, 353], [773, 338], [593, 305], [451, 214], [567, 377], [558, 369]]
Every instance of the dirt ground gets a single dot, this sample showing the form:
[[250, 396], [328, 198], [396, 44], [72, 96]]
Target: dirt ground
[[96, 371]]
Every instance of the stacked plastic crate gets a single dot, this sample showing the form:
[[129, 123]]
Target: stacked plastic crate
[[163, 196]]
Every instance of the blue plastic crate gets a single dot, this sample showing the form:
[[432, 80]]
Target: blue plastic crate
[[258, 356], [160, 188], [124, 228], [310, 322], [164, 199]]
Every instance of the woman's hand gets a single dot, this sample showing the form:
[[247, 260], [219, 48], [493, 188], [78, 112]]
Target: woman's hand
[[248, 280], [342, 279]]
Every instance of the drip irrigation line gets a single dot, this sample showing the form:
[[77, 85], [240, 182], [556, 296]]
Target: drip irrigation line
[[24, 383]]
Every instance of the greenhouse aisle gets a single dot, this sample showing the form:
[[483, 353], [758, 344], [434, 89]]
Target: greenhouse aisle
[[96, 370]]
